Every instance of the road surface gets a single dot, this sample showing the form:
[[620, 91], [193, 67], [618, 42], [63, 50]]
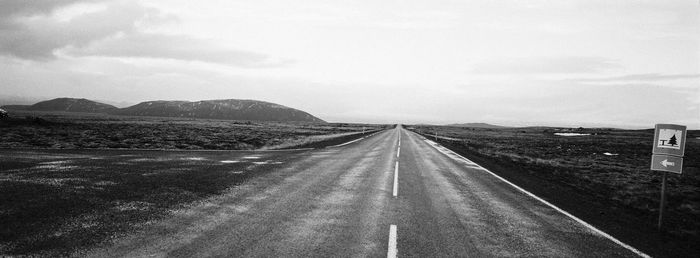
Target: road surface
[[395, 193]]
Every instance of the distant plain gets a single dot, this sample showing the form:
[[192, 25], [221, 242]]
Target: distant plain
[[68, 130]]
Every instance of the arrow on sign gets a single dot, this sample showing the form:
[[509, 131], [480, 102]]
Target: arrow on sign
[[666, 163]]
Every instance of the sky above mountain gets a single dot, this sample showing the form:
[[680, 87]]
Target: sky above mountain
[[564, 63]]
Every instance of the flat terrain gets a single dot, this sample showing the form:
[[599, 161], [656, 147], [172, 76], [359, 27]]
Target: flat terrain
[[65, 130], [340, 201], [601, 175]]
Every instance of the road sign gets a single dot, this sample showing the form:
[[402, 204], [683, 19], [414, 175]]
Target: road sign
[[669, 139], [668, 151], [667, 163]]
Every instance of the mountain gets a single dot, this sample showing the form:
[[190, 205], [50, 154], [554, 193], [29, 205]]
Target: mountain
[[67, 105], [234, 109], [477, 125]]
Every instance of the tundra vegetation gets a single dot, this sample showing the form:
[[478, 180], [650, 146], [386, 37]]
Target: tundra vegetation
[[66, 130]]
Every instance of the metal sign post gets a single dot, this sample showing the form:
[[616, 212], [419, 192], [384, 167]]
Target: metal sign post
[[663, 199], [668, 151]]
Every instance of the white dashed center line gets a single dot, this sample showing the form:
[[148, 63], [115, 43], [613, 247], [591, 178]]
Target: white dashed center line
[[398, 149], [392, 252], [396, 179]]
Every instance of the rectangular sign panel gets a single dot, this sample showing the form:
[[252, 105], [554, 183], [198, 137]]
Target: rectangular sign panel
[[669, 139], [667, 163]]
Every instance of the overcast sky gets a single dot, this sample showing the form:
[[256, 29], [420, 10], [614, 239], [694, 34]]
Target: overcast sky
[[564, 63]]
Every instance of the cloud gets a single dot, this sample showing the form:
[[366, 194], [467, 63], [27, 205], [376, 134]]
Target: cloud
[[14, 8], [646, 77], [177, 47], [546, 65], [38, 37], [33, 32]]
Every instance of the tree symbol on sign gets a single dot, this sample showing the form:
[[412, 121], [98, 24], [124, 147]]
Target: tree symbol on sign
[[672, 141]]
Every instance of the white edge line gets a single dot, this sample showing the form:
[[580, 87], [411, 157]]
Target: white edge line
[[343, 144], [392, 251], [287, 149], [396, 179], [589, 226]]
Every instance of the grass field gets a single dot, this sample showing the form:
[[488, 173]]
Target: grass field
[[602, 175], [63, 130]]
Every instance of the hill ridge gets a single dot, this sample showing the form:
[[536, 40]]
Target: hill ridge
[[227, 109], [67, 105]]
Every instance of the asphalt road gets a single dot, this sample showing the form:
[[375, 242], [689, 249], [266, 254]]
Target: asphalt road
[[345, 202]]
